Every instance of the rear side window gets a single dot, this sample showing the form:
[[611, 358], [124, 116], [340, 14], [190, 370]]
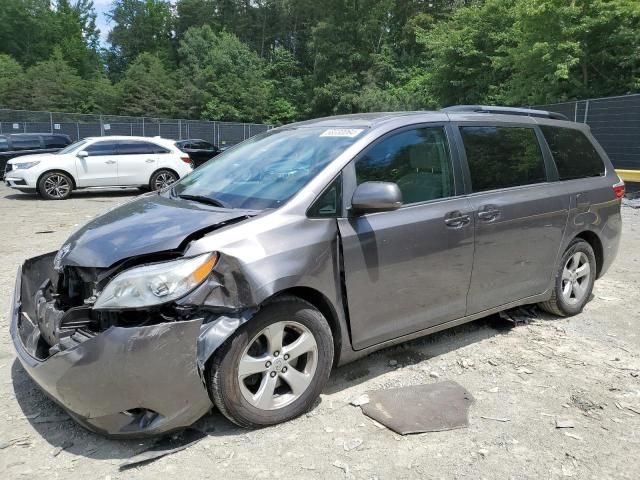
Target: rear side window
[[54, 141], [573, 152], [138, 147], [417, 160], [202, 145], [25, 143], [502, 157]]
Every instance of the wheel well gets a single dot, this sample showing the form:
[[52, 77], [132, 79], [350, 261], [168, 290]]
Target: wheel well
[[593, 240], [323, 304], [58, 170]]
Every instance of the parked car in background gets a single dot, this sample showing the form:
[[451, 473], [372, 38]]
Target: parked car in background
[[199, 150], [14, 145], [309, 246], [149, 163]]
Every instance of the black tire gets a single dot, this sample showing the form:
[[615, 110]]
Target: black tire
[[558, 304], [222, 370], [162, 179], [55, 186]]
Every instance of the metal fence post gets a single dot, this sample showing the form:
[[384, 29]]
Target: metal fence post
[[586, 112], [50, 122], [143, 127], [179, 129], [78, 131], [101, 127], [575, 112]]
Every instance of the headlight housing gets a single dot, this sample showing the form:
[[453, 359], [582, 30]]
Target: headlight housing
[[24, 165], [157, 283]]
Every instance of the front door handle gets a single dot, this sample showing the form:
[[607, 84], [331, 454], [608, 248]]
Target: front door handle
[[149, 160], [110, 162], [456, 219], [488, 213]]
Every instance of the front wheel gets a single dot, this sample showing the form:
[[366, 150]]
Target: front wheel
[[274, 367], [574, 280], [162, 179], [55, 186]]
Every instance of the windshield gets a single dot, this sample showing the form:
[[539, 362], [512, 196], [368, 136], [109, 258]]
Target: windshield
[[268, 169], [72, 147]]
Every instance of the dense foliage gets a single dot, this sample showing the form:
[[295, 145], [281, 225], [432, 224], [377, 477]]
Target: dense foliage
[[281, 60]]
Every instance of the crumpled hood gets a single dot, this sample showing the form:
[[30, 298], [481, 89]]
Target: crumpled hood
[[149, 224]]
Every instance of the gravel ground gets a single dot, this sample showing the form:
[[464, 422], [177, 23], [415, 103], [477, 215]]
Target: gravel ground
[[584, 369]]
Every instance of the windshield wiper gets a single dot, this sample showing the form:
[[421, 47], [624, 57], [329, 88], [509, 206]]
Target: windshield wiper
[[204, 199]]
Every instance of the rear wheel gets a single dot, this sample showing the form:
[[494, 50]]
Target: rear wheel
[[274, 367], [574, 280], [162, 179], [55, 186]]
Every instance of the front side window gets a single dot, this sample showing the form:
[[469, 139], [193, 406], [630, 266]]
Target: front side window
[[502, 157], [417, 160], [268, 169], [4, 144], [574, 154], [102, 148]]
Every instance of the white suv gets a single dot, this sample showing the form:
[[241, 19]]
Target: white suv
[[112, 161]]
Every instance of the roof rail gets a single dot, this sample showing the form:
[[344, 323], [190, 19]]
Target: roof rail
[[505, 111]]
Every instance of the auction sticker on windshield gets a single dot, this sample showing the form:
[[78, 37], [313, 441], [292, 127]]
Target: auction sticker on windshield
[[341, 132]]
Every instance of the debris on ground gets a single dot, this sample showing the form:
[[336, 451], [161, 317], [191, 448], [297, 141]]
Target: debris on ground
[[519, 315], [496, 419], [564, 423], [420, 408], [352, 444], [465, 363], [360, 400], [165, 446]]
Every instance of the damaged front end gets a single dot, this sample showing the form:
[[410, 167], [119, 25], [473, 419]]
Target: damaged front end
[[121, 372]]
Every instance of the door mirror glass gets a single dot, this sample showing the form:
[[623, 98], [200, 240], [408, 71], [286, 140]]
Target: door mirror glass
[[372, 197], [82, 154]]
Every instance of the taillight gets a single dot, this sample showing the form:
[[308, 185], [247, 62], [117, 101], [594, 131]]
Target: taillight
[[618, 189], [186, 159]]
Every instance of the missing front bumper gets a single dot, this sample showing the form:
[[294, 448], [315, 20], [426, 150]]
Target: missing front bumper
[[130, 381]]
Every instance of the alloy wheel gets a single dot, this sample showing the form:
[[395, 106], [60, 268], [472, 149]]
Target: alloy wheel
[[57, 186], [575, 278], [278, 365], [163, 180]]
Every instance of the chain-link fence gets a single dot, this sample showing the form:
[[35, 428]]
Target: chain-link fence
[[614, 121], [79, 126]]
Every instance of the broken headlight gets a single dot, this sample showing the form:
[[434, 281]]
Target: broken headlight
[[156, 283]]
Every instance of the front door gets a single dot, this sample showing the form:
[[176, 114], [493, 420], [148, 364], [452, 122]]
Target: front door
[[100, 167], [520, 217], [408, 269]]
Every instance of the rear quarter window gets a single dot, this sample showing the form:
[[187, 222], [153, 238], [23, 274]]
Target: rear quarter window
[[502, 157], [573, 152]]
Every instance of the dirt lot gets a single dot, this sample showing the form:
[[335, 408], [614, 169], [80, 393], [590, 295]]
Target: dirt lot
[[584, 369]]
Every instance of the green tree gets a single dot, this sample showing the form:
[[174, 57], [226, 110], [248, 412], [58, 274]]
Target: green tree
[[225, 78], [146, 88], [140, 26], [52, 85], [11, 79]]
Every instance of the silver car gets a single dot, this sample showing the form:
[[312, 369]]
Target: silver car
[[243, 284]]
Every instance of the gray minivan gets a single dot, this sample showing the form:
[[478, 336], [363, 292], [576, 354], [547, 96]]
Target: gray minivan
[[309, 246]]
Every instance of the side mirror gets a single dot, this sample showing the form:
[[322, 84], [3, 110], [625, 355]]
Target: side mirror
[[372, 197], [82, 154]]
